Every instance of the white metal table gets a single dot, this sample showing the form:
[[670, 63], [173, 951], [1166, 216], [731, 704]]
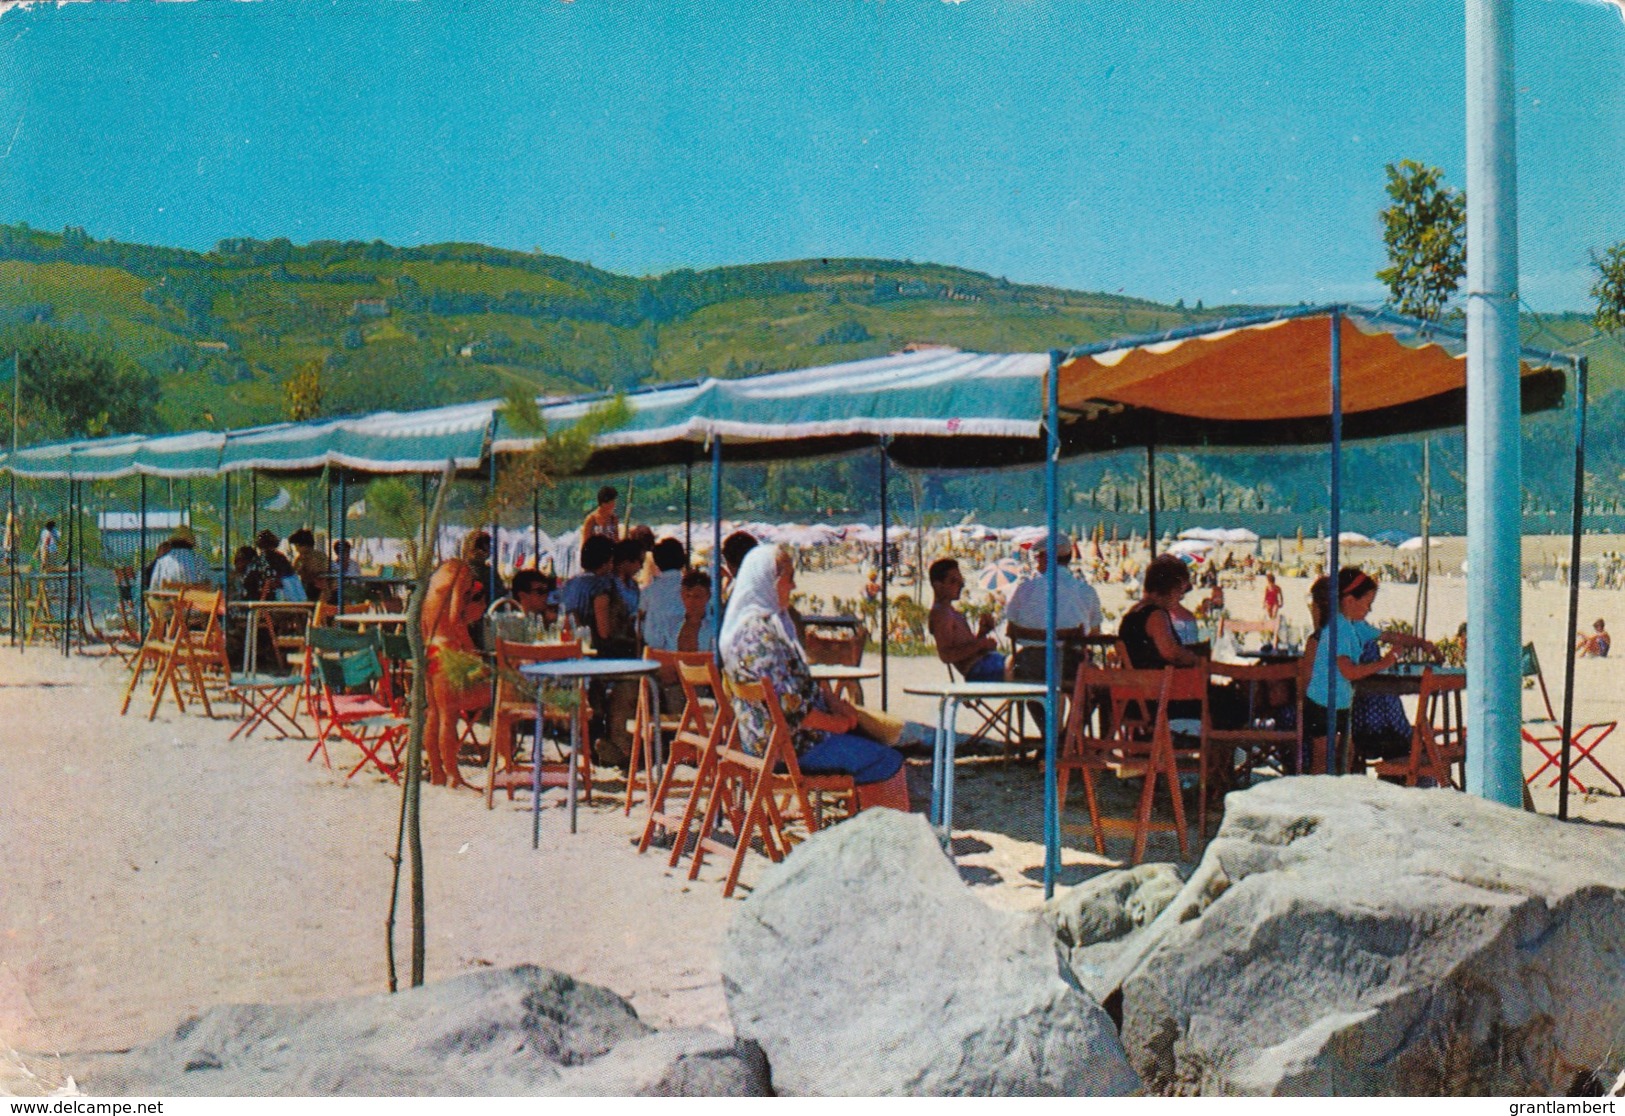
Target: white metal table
[[949, 695], [580, 671]]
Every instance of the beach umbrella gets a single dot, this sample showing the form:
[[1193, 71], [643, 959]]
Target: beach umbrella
[[1190, 548], [999, 577], [1390, 537], [1353, 538]]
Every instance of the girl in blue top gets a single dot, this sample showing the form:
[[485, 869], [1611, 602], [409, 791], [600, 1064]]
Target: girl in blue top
[[1358, 655]]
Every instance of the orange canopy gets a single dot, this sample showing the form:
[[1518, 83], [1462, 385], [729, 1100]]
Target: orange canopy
[[1267, 381]]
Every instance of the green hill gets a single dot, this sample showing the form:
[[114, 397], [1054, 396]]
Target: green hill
[[391, 327]]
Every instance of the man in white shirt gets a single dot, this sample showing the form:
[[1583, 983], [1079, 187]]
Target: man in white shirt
[[181, 564], [1077, 614], [1077, 605]]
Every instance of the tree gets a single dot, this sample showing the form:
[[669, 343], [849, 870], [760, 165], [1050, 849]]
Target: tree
[[74, 388], [1424, 232], [302, 393], [1609, 290]]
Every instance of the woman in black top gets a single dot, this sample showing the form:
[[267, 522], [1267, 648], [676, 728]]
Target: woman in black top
[[1146, 630]]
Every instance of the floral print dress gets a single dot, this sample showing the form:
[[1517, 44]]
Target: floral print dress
[[763, 654]]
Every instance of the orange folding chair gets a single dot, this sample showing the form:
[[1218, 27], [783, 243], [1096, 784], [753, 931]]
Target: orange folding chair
[[1118, 722], [516, 705], [695, 742], [760, 792], [1438, 737]]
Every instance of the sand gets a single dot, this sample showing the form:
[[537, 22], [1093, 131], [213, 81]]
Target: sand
[[156, 869]]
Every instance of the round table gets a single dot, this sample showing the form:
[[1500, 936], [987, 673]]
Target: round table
[[580, 671]]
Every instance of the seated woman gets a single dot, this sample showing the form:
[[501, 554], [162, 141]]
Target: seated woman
[[757, 645], [1597, 644], [1377, 722], [1148, 629]]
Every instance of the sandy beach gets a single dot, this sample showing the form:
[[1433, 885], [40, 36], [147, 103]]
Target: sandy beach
[[156, 869]]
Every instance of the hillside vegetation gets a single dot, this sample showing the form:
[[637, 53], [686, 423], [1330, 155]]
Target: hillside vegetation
[[390, 327]]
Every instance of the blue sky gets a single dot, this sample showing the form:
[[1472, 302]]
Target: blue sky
[[1165, 148]]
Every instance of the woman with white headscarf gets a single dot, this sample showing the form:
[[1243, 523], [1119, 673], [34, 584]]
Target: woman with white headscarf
[[758, 644]]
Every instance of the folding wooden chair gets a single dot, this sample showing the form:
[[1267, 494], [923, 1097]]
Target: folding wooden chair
[[516, 705], [652, 725], [162, 615], [1262, 741], [196, 642], [1106, 732], [694, 742], [1438, 737], [353, 701], [771, 787], [1546, 734]]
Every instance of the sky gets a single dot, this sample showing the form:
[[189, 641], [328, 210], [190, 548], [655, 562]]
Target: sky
[[1166, 149]]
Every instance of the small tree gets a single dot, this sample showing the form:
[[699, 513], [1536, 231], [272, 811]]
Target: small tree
[[1424, 232], [302, 393], [1609, 290]]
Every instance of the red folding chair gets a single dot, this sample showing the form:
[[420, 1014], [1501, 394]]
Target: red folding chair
[[352, 704], [1546, 734]]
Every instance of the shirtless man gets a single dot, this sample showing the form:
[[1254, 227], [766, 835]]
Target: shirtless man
[[455, 600], [974, 655]]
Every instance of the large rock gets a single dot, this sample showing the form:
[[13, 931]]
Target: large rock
[[501, 1032], [1103, 919], [1346, 936], [863, 966]]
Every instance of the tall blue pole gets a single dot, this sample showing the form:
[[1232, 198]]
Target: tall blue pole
[[140, 588], [1494, 465], [885, 578], [716, 538], [1052, 664], [1577, 523], [1334, 544]]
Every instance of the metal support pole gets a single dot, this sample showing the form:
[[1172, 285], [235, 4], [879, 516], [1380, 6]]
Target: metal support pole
[[344, 518], [141, 569], [1151, 497], [1333, 545], [249, 618], [716, 540], [72, 526], [11, 559], [1581, 370], [491, 577], [688, 506], [1494, 464], [1052, 654], [423, 504], [885, 578], [254, 503], [536, 529]]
